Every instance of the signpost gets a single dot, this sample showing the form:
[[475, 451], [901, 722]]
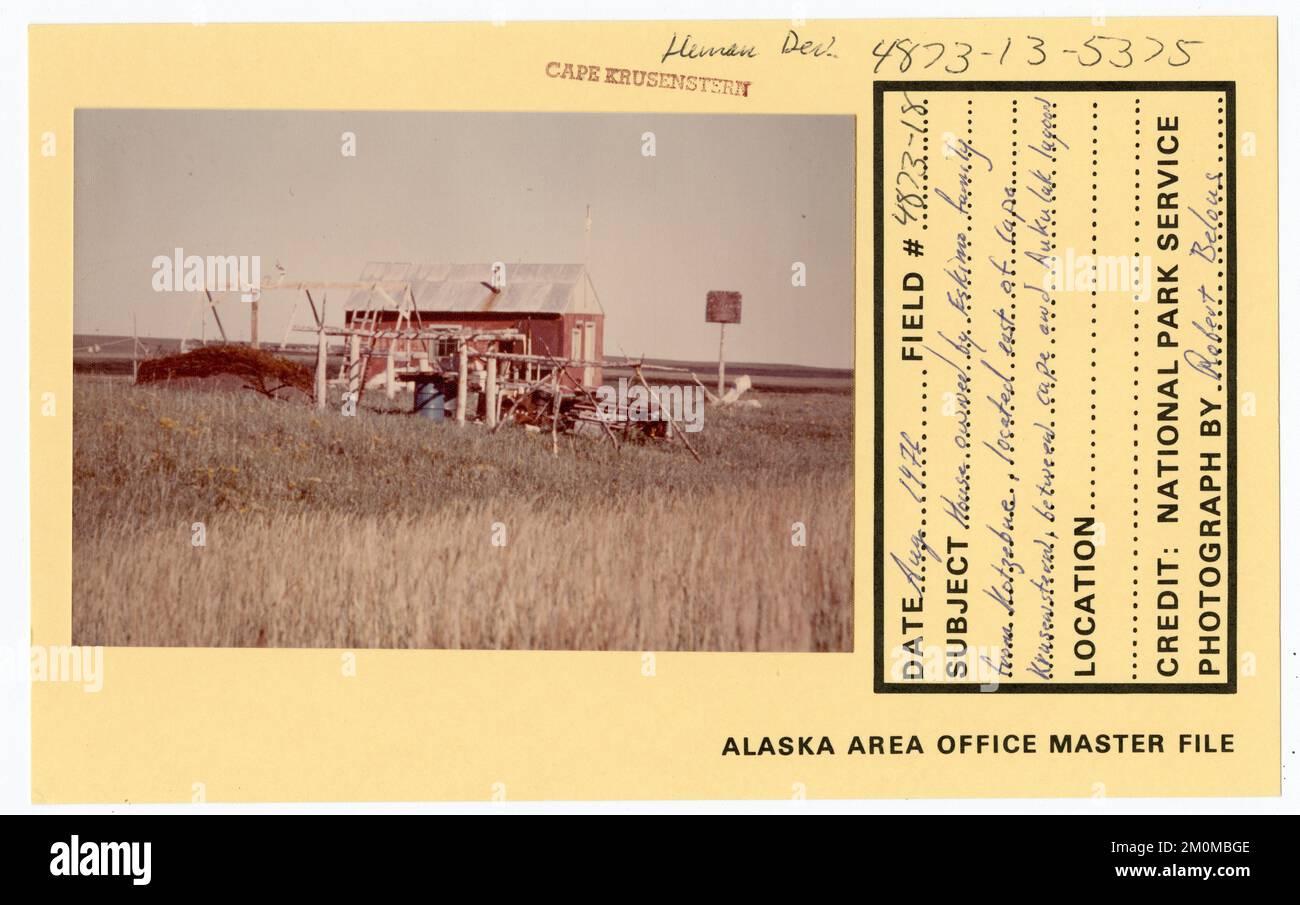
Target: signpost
[[722, 307]]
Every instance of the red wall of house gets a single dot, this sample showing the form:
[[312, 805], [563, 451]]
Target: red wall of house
[[550, 335]]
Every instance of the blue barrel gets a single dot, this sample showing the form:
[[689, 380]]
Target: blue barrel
[[430, 402]]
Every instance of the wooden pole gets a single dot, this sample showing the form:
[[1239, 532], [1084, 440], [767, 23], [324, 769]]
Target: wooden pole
[[321, 356], [446, 333], [490, 388], [318, 318], [722, 360], [555, 411], [365, 369], [252, 329], [354, 361], [390, 372], [293, 316], [680, 431], [212, 304], [135, 350], [462, 381]]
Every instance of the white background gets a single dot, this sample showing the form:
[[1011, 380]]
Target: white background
[[16, 495]]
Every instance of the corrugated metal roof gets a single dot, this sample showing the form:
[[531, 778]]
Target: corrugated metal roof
[[380, 271], [529, 288]]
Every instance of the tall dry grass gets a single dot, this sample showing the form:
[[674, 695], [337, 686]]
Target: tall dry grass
[[378, 530]]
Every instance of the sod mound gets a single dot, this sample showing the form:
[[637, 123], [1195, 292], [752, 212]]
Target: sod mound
[[259, 371]]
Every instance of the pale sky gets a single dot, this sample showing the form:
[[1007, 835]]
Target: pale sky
[[727, 202]]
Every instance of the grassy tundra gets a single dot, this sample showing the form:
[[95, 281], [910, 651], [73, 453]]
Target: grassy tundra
[[378, 530]]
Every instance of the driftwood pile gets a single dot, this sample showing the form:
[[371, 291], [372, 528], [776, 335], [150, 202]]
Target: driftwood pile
[[260, 371]]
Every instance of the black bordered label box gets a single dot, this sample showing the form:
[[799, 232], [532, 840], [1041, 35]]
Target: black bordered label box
[[1022, 248]]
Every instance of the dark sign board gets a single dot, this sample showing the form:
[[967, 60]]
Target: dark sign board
[[722, 307]]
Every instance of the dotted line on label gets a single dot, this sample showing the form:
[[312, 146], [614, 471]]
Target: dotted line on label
[[1015, 152], [925, 396], [1137, 327], [1092, 305], [970, 283], [1218, 256], [925, 167]]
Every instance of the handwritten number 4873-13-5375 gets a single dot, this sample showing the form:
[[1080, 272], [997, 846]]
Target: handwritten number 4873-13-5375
[[958, 57]]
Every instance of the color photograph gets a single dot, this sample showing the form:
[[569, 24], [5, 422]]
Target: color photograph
[[463, 380]]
